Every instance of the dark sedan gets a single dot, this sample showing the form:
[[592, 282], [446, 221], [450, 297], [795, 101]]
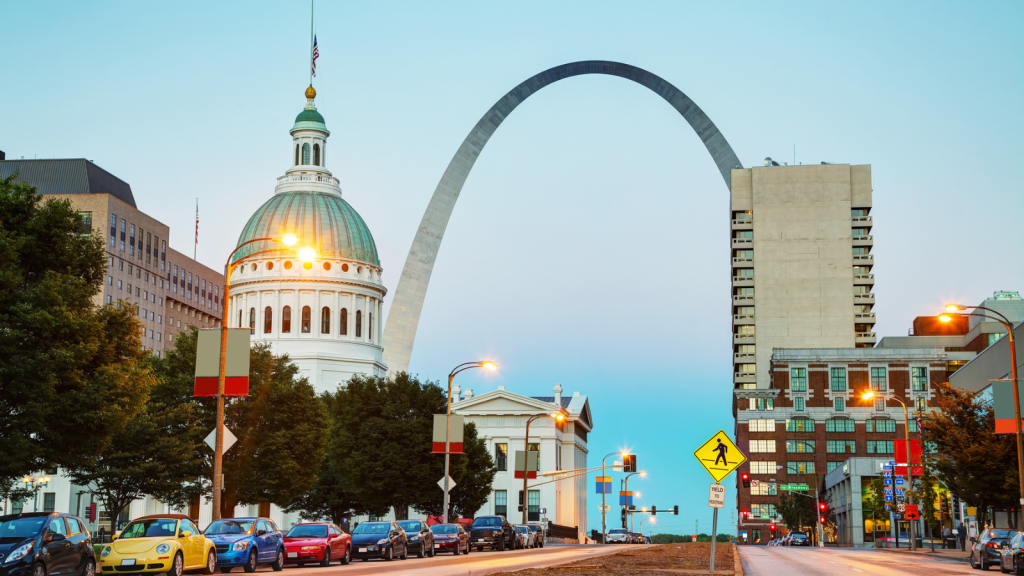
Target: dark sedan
[[987, 549], [421, 539], [799, 539], [492, 532], [450, 538], [1012, 558], [45, 544], [384, 540]]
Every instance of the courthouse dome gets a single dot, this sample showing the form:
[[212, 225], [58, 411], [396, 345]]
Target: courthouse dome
[[321, 220]]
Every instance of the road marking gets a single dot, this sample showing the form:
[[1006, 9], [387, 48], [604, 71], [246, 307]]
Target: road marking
[[858, 570]]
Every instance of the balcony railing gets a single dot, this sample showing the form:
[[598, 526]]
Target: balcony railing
[[863, 276], [742, 241], [865, 334], [742, 316], [742, 298], [742, 260], [738, 221], [868, 237], [862, 218], [868, 296], [742, 278], [739, 376], [862, 315], [743, 338], [863, 257], [309, 178]]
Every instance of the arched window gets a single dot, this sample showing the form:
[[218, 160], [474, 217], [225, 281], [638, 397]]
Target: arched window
[[305, 153], [305, 319], [252, 320], [369, 326], [316, 154], [325, 320], [239, 317], [296, 154], [286, 320], [268, 320], [343, 329], [359, 323]]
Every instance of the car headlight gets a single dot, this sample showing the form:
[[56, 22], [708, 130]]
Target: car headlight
[[382, 541], [161, 549], [243, 545], [413, 538], [312, 547], [106, 552], [19, 553]]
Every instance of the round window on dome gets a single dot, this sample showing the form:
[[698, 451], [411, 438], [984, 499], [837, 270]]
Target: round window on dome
[[270, 265], [287, 265], [359, 270], [344, 267], [327, 265], [307, 265]]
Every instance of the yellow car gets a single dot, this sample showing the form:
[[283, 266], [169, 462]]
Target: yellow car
[[168, 543]]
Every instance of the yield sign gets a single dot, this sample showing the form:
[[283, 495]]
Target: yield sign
[[229, 439], [451, 483], [719, 456]]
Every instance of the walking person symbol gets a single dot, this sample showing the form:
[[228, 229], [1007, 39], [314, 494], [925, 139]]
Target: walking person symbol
[[721, 449]]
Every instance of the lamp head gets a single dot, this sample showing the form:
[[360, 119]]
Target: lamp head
[[624, 453], [643, 473], [945, 317], [489, 365], [307, 254], [288, 239], [27, 479], [558, 416], [954, 308], [868, 395]]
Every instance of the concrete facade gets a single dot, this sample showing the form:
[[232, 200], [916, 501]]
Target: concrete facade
[[404, 314]]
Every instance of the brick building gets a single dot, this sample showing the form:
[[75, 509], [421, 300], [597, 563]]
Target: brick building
[[813, 418]]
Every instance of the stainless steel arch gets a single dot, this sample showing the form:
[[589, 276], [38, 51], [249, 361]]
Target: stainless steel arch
[[404, 315]]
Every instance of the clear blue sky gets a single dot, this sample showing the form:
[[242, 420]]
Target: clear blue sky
[[589, 247]]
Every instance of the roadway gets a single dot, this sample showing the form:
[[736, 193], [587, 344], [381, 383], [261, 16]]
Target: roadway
[[799, 561], [485, 562]]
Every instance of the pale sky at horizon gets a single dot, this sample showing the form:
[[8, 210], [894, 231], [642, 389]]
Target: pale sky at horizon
[[590, 244]]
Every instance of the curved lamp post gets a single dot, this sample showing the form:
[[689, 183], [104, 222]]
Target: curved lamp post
[[651, 519], [604, 506], [305, 254], [955, 310], [448, 433], [906, 432], [642, 474], [558, 416]]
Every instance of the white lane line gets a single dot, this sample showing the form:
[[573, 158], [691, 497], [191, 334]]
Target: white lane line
[[857, 569]]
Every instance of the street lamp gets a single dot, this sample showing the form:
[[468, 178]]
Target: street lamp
[[906, 432], [35, 483], [558, 416], [307, 255], [953, 309], [486, 364], [642, 474], [651, 519], [604, 506]]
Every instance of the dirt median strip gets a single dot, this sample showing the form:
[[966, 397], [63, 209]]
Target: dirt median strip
[[683, 558]]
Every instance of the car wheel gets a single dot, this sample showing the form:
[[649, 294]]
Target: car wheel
[[347, 558], [39, 569], [501, 544], [405, 552], [90, 568], [327, 557], [250, 562], [390, 554], [468, 547], [431, 551], [211, 562], [458, 549], [420, 553], [278, 564], [177, 566]]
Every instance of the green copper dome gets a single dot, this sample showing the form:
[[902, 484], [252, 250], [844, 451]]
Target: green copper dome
[[321, 220], [310, 119]]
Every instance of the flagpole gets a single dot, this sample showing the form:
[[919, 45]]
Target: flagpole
[[311, 9], [195, 243]]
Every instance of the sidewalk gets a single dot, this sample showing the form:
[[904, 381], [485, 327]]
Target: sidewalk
[[956, 555]]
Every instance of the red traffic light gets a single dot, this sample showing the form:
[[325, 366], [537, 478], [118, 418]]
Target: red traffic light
[[745, 514], [773, 527], [822, 519], [745, 476], [822, 507]]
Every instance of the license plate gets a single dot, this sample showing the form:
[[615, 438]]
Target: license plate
[[481, 539], [293, 554], [437, 545], [362, 549], [128, 562]]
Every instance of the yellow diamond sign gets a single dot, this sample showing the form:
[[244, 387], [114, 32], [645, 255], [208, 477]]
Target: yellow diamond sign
[[719, 456]]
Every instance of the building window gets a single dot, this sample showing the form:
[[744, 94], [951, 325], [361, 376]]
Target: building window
[[296, 154], [762, 404], [800, 467], [325, 320], [501, 502], [830, 466], [880, 425], [359, 323], [761, 425], [252, 320], [798, 379], [501, 456], [306, 313], [533, 501], [764, 489], [239, 318], [841, 447], [838, 379], [880, 404], [286, 320], [762, 511], [919, 379], [343, 328], [762, 467], [762, 446], [305, 154], [268, 320], [913, 424], [316, 154], [800, 425], [840, 404], [798, 404], [49, 501], [880, 447], [800, 446], [878, 379], [920, 403], [839, 425], [369, 326]]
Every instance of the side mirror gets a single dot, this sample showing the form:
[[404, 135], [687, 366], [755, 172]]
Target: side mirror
[[185, 534], [57, 537], [261, 532], [115, 536]]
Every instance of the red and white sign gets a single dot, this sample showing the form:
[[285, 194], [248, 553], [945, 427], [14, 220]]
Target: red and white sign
[[910, 512], [694, 537], [236, 362], [902, 470], [900, 449], [455, 441]]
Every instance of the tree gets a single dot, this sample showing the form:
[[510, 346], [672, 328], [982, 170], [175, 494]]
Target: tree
[[474, 483], [796, 511], [63, 362]]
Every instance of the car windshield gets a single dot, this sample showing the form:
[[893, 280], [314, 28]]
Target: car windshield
[[444, 529], [799, 536], [491, 521], [998, 534], [21, 528], [534, 527], [523, 529], [308, 531], [410, 525], [372, 528], [617, 531], [230, 527], [149, 528]]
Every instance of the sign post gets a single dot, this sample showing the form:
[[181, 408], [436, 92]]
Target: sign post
[[720, 457], [716, 500]]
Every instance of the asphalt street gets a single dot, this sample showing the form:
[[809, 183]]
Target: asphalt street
[[485, 562], [790, 561]]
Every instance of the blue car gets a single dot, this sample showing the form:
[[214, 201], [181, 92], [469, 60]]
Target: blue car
[[247, 543]]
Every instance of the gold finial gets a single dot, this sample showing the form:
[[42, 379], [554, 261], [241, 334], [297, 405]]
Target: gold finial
[[310, 92]]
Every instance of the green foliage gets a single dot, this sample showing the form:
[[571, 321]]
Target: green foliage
[[676, 538], [66, 366], [474, 485], [874, 500], [796, 511]]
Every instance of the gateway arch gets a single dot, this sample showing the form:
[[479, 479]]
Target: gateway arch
[[404, 315]]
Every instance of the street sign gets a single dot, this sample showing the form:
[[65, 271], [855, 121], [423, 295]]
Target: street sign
[[527, 464], [887, 474], [451, 483], [910, 512], [899, 481], [743, 534], [604, 485], [716, 496], [803, 487], [455, 441], [719, 456], [887, 491], [229, 439], [755, 483], [236, 362], [901, 507], [888, 498], [625, 498]]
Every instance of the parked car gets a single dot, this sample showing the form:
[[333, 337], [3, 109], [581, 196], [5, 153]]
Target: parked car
[[1011, 558], [317, 542], [619, 536], [385, 540], [451, 538], [799, 539], [492, 532], [168, 543], [637, 537], [986, 550], [526, 538], [45, 544], [539, 534], [421, 539], [647, 539], [247, 543]]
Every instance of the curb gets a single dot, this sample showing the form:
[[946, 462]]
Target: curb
[[738, 568]]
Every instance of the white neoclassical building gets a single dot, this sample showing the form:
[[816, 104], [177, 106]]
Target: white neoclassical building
[[325, 314]]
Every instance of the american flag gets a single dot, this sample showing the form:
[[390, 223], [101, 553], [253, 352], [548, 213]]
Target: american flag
[[316, 54]]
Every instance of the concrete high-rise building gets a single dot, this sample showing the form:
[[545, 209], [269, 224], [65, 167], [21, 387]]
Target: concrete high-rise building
[[801, 263]]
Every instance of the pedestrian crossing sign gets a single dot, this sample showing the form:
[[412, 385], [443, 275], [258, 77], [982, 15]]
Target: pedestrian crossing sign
[[720, 456]]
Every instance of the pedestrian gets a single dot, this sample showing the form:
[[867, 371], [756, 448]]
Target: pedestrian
[[947, 535], [961, 534]]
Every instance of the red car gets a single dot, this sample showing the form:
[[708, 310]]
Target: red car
[[317, 542], [450, 538]]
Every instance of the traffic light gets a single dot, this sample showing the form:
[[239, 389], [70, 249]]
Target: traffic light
[[632, 506], [654, 510], [623, 516], [823, 507], [675, 510], [629, 463], [745, 514], [773, 531], [822, 520], [746, 479], [90, 512]]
